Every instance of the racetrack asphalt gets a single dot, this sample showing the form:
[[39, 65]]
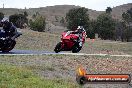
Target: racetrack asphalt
[[35, 52]]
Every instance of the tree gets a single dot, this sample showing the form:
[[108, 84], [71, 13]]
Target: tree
[[25, 14], [127, 16], [35, 15], [57, 18], [76, 17], [18, 20], [130, 13], [127, 20], [79, 17], [1, 15], [38, 24], [106, 26], [92, 29], [62, 21], [108, 10]]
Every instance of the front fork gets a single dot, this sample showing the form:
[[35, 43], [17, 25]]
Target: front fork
[[62, 45]]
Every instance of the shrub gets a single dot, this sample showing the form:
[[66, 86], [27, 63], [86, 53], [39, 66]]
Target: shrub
[[77, 17], [1, 15], [38, 24], [106, 26], [18, 20]]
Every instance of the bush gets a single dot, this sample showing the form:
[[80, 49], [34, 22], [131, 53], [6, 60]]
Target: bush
[[106, 26], [127, 21], [38, 24], [18, 20], [92, 29], [77, 17], [1, 15], [90, 34]]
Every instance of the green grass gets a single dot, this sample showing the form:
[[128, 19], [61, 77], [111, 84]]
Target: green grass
[[19, 77], [25, 71]]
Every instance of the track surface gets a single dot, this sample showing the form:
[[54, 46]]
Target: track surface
[[26, 52], [35, 52]]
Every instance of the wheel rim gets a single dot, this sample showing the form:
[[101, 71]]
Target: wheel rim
[[7, 49]]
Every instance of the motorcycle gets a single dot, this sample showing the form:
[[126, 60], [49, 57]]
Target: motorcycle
[[7, 43], [69, 42]]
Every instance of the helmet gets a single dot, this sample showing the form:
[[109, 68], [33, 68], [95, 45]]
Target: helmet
[[6, 23], [5, 19], [80, 28]]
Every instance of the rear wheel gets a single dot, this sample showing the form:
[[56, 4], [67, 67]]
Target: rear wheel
[[9, 47], [58, 47], [76, 48]]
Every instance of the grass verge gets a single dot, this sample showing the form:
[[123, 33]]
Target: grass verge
[[36, 40], [19, 77], [32, 40], [57, 71]]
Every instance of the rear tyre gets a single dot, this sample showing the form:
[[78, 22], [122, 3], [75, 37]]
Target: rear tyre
[[76, 48], [9, 47], [58, 47]]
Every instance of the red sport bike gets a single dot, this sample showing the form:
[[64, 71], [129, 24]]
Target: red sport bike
[[69, 42]]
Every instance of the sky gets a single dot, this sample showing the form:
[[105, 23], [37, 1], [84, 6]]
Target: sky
[[99, 5]]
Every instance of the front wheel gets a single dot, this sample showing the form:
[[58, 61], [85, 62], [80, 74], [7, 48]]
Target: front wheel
[[9, 47], [58, 47]]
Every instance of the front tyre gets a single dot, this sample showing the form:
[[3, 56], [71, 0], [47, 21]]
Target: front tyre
[[10, 46], [58, 47]]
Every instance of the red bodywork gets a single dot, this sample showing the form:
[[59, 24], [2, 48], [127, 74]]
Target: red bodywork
[[68, 40]]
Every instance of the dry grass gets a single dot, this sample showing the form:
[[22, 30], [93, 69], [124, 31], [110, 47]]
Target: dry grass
[[67, 64], [64, 66], [45, 41], [107, 47], [37, 40]]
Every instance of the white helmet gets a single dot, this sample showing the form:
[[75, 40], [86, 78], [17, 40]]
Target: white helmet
[[5, 19], [80, 27]]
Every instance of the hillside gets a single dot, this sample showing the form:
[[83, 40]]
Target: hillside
[[54, 14], [118, 10], [61, 10], [50, 11], [10, 11]]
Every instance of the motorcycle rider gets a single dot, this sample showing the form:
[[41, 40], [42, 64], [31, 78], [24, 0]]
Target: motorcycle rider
[[80, 31], [8, 27]]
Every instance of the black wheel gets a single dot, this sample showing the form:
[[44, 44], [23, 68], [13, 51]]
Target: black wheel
[[58, 47], [81, 80], [76, 48], [9, 47]]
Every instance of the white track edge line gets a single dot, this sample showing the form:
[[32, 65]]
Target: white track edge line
[[78, 54]]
